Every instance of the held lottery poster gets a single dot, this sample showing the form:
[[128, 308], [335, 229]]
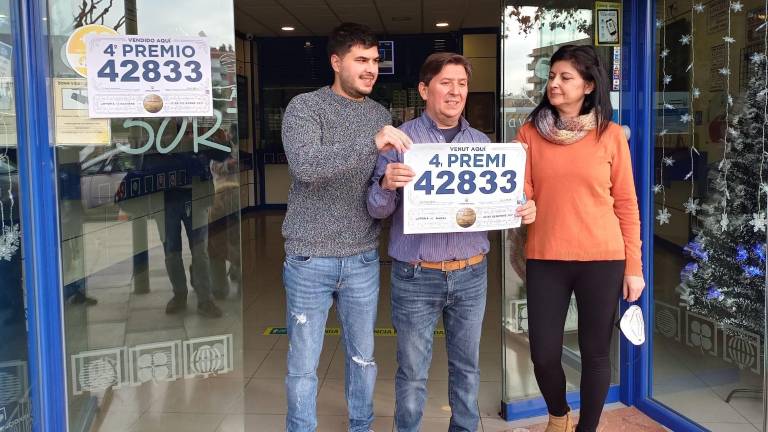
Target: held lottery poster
[[148, 76], [463, 187]]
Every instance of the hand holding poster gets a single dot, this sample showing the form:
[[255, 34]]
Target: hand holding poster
[[147, 76], [463, 187]]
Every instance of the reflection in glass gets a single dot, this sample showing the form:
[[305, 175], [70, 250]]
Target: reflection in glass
[[710, 204], [531, 34], [150, 222], [15, 404]]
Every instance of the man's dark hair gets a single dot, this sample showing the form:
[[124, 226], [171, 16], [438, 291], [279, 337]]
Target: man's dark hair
[[347, 35], [435, 63]]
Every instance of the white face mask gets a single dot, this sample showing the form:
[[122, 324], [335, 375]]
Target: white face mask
[[632, 325]]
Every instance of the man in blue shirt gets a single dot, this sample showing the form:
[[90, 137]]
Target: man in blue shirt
[[435, 275]]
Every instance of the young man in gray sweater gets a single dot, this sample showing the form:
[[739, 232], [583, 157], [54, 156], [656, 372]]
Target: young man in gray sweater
[[332, 137]]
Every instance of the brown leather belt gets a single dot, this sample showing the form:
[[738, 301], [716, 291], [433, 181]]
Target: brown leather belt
[[452, 265]]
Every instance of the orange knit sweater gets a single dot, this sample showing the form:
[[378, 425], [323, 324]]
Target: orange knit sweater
[[585, 199]]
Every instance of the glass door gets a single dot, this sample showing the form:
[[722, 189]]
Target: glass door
[[530, 35], [709, 232], [149, 219], [15, 404]]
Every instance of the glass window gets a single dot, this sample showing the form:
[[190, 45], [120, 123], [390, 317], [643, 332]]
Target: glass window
[[150, 230], [531, 34], [710, 206], [15, 405]]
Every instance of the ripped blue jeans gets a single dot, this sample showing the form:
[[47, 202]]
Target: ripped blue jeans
[[311, 285]]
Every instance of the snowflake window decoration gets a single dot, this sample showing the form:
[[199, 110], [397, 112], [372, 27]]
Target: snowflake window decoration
[[663, 216], [692, 206], [759, 222]]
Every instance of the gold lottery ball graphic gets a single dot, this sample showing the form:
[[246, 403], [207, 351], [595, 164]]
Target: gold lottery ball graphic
[[466, 217], [153, 103]]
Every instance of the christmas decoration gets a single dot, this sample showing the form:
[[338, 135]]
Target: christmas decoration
[[692, 206], [10, 233], [725, 278], [663, 215]]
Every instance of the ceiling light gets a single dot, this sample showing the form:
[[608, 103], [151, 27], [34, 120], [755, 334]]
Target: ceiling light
[[287, 28], [441, 24]]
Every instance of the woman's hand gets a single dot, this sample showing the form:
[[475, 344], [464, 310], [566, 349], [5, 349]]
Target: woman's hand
[[527, 211], [633, 287]]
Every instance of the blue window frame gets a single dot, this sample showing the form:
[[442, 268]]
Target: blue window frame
[[39, 214]]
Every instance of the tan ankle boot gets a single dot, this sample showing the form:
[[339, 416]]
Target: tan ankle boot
[[560, 424]]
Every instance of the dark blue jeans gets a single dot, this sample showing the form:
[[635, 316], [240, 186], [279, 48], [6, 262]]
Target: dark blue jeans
[[419, 298], [180, 210]]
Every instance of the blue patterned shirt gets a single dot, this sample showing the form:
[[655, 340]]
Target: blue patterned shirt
[[382, 203]]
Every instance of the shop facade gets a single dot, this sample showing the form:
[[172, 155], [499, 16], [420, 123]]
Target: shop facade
[[122, 206]]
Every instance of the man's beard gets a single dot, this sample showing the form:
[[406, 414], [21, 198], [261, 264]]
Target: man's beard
[[349, 88]]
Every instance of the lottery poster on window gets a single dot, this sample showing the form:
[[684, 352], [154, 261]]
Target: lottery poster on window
[[148, 76], [463, 187]]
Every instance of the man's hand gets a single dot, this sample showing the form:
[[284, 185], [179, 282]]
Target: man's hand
[[391, 138], [633, 287], [527, 212], [397, 175]]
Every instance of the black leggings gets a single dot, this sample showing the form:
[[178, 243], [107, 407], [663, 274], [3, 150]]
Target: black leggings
[[598, 287]]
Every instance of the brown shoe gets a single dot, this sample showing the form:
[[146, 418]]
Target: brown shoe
[[560, 424]]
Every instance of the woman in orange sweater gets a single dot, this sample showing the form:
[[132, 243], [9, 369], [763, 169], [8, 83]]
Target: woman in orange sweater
[[586, 238]]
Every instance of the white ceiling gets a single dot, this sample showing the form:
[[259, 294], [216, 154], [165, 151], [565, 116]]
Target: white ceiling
[[264, 18]]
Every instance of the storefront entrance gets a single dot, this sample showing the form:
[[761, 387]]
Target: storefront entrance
[[141, 257]]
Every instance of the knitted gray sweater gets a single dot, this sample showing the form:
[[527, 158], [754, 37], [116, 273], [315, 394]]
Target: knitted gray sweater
[[328, 141]]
